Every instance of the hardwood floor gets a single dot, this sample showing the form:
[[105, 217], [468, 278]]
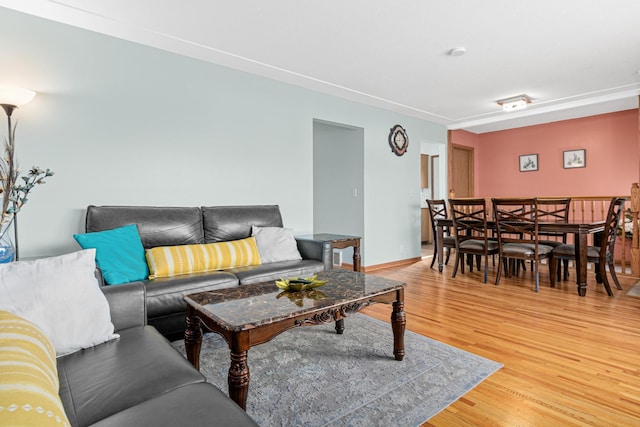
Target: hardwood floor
[[568, 360]]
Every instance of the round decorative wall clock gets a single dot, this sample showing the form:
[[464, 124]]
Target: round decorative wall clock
[[398, 140]]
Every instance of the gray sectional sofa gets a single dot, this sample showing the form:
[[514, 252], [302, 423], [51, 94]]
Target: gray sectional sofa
[[169, 226], [139, 379]]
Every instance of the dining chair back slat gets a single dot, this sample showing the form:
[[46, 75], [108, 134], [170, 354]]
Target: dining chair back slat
[[471, 233], [602, 255], [438, 210], [517, 230], [611, 227], [553, 210]]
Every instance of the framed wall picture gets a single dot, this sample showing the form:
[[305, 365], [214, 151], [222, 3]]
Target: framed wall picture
[[574, 159], [528, 162]]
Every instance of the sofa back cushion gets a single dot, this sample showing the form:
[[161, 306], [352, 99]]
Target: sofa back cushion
[[224, 223], [158, 226]]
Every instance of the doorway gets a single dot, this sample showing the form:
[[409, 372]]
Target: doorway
[[426, 235], [434, 187], [338, 181]]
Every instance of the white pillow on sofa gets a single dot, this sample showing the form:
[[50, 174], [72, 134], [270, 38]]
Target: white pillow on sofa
[[61, 296], [275, 244]]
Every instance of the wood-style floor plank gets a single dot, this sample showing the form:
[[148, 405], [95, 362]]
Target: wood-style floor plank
[[568, 360]]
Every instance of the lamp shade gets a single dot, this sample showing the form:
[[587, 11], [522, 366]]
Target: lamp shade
[[15, 96]]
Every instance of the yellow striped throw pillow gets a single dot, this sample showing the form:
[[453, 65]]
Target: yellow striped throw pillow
[[28, 376], [167, 261]]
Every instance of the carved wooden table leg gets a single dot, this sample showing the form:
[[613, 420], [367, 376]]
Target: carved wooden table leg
[[398, 322], [356, 256], [597, 241], [239, 378], [580, 241], [439, 246], [193, 339], [340, 326]]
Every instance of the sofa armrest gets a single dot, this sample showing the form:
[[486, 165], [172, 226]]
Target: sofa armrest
[[127, 304], [318, 250]]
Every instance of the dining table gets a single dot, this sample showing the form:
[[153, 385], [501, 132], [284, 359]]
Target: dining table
[[579, 228]]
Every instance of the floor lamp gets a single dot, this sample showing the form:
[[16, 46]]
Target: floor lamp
[[10, 99]]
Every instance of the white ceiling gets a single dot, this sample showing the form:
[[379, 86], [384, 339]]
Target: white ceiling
[[573, 57]]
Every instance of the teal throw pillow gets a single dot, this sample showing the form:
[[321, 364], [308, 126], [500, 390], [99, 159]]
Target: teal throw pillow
[[119, 253]]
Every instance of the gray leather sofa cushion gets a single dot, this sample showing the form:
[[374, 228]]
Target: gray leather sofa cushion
[[165, 295], [277, 270], [224, 223], [158, 226], [193, 405], [100, 381]]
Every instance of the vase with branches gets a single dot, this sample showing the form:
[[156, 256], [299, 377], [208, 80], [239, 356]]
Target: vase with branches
[[14, 190]]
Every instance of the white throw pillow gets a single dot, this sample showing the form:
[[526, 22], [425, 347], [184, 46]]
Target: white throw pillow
[[275, 244], [61, 296]]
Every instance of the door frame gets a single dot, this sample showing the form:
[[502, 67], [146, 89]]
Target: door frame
[[434, 158], [450, 147]]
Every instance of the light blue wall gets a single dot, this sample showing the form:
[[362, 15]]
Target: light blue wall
[[122, 123]]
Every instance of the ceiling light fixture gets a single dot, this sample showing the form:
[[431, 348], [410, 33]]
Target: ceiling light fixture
[[514, 103]]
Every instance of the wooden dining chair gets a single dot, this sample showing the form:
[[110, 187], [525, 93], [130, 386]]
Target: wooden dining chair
[[513, 266], [601, 255], [438, 210], [554, 210], [471, 233], [517, 230]]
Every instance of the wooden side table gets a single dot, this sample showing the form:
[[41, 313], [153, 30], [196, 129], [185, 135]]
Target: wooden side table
[[339, 241]]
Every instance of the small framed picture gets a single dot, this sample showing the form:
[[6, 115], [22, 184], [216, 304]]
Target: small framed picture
[[574, 159], [528, 162]]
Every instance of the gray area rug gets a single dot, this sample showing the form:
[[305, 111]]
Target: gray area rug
[[634, 291], [311, 376]]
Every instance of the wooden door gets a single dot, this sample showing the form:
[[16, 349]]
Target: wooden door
[[435, 177], [424, 170], [461, 171], [424, 183]]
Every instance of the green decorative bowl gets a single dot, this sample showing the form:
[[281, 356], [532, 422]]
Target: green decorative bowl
[[297, 284]]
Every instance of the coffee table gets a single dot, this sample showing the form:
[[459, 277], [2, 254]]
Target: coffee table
[[254, 314]]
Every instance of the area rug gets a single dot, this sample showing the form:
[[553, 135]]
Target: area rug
[[312, 376], [634, 291]]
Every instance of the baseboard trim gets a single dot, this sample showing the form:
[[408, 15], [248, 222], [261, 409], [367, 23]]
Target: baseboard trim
[[398, 263]]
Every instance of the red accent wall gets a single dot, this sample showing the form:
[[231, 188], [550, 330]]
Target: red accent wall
[[612, 157]]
